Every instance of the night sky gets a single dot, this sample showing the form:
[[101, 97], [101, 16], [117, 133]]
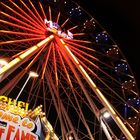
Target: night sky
[[121, 19]]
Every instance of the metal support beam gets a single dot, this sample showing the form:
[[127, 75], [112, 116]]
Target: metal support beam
[[19, 60], [99, 94]]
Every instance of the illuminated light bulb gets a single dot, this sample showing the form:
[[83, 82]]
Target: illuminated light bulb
[[3, 62], [33, 74], [106, 115], [70, 138]]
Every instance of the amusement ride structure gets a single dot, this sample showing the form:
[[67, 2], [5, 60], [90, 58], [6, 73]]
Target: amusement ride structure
[[84, 84]]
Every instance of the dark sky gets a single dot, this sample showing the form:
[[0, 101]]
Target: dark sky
[[121, 19]]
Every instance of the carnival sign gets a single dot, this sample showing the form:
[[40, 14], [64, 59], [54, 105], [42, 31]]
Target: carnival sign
[[14, 127]]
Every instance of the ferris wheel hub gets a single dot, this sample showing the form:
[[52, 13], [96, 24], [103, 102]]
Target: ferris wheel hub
[[56, 29]]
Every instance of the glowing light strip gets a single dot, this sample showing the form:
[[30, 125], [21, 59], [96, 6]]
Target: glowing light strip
[[70, 52], [73, 28], [107, 103], [76, 61], [22, 40], [100, 95], [42, 10], [106, 131], [19, 33], [34, 16], [19, 21], [40, 19], [65, 23], [24, 55], [130, 136], [28, 52], [19, 26], [58, 17], [45, 40], [50, 14], [78, 34], [25, 14], [20, 15]]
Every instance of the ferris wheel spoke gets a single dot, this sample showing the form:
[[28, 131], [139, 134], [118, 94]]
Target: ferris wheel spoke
[[96, 90], [50, 14], [23, 17], [79, 46], [55, 67], [39, 17], [19, 21], [18, 77], [83, 118], [80, 41], [36, 57], [96, 59], [72, 28], [44, 15], [25, 56], [31, 20], [31, 94], [39, 22], [44, 96], [62, 115], [92, 57], [82, 73], [19, 53], [11, 84], [119, 96], [80, 83], [65, 70], [37, 93], [95, 66], [65, 22], [84, 90], [28, 67], [34, 92], [85, 48], [46, 60], [20, 27], [20, 33], [79, 34], [81, 115], [14, 50], [51, 87], [22, 40], [58, 16]]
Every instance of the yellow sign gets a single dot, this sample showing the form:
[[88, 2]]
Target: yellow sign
[[14, 127], [10, 101]]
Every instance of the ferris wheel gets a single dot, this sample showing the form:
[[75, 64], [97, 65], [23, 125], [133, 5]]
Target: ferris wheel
[[84, 82]]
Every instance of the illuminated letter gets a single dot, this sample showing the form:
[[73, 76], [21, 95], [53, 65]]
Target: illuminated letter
[[10, 102], [17, 135], [7, 117], [10, 130], [3, 98], [1, 132], [16, 119], [21, 104], [26, 106], [24, 137], [32, 137]]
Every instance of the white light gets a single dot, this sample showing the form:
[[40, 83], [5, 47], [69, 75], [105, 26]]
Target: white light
[[70, 138], [3, 62], [33, 74], [106, 115]]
